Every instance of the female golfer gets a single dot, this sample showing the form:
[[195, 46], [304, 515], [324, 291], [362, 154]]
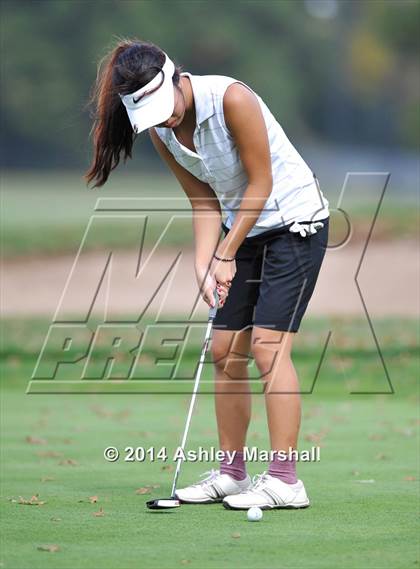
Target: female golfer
[[243, 176]]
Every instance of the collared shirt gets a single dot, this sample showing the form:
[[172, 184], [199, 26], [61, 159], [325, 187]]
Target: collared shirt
[[295, 195]]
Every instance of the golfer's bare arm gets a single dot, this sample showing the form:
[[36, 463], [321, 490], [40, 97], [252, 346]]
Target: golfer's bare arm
[[204, 203], [245, 121]]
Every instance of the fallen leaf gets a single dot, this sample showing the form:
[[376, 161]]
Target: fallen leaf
[[185, 561], [49, 454], [145, 434], [68, 462], [236, 535], [101, 411], [122, 415], [34, 501], [375, 437], [90, 499], [13, 361], [100, 513], [381, 456], [51, 548], [167, 467], [47, 479], [338, 419], [144, 490], [410, 478], [341, 363], [313, 412], [385, 423], [35, 440], [355, 472], [316, 437]]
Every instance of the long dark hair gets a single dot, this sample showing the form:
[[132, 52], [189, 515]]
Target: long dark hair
[[128, 66]]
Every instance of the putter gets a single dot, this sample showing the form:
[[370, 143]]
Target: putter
[[173, 502]]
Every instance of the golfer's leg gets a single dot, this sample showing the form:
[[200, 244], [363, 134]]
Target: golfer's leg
[[272, 352], [230, 352], [280, 486]]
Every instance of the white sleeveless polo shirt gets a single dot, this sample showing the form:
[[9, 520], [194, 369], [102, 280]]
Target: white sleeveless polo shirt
[[295, 196]]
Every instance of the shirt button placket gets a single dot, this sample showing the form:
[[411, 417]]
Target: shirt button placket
[[204, 168]]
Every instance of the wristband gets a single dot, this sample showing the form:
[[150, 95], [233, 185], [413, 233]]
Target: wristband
[[224, 260]]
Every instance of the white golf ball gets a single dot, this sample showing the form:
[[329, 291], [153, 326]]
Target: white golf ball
[[254, 514]]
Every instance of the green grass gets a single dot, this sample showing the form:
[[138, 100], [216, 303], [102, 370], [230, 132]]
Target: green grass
[[48, 213], [350, 524]]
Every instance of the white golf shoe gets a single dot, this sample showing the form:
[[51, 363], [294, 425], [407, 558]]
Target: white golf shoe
[[268, 492], [213, 488]]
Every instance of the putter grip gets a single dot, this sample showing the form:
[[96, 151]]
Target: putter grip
[[213, 309]]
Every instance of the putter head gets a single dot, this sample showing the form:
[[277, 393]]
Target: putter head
[[163, 504]]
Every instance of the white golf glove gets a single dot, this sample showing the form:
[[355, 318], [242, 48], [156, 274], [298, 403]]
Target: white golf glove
[[307, 229]]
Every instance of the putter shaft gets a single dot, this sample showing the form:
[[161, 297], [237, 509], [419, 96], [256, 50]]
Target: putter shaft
[[212, 314]]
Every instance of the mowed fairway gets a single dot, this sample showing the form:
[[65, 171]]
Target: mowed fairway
[[364, 490], [64, 506]]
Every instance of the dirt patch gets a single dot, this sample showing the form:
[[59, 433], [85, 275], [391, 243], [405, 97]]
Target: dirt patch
[[123, 283]]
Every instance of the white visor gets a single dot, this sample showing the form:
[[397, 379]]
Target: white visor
[[155, 108]]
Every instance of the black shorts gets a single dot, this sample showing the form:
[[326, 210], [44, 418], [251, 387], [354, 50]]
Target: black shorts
[[276, 273]]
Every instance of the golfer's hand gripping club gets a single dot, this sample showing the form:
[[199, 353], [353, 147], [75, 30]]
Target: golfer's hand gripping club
[[213, 309]]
